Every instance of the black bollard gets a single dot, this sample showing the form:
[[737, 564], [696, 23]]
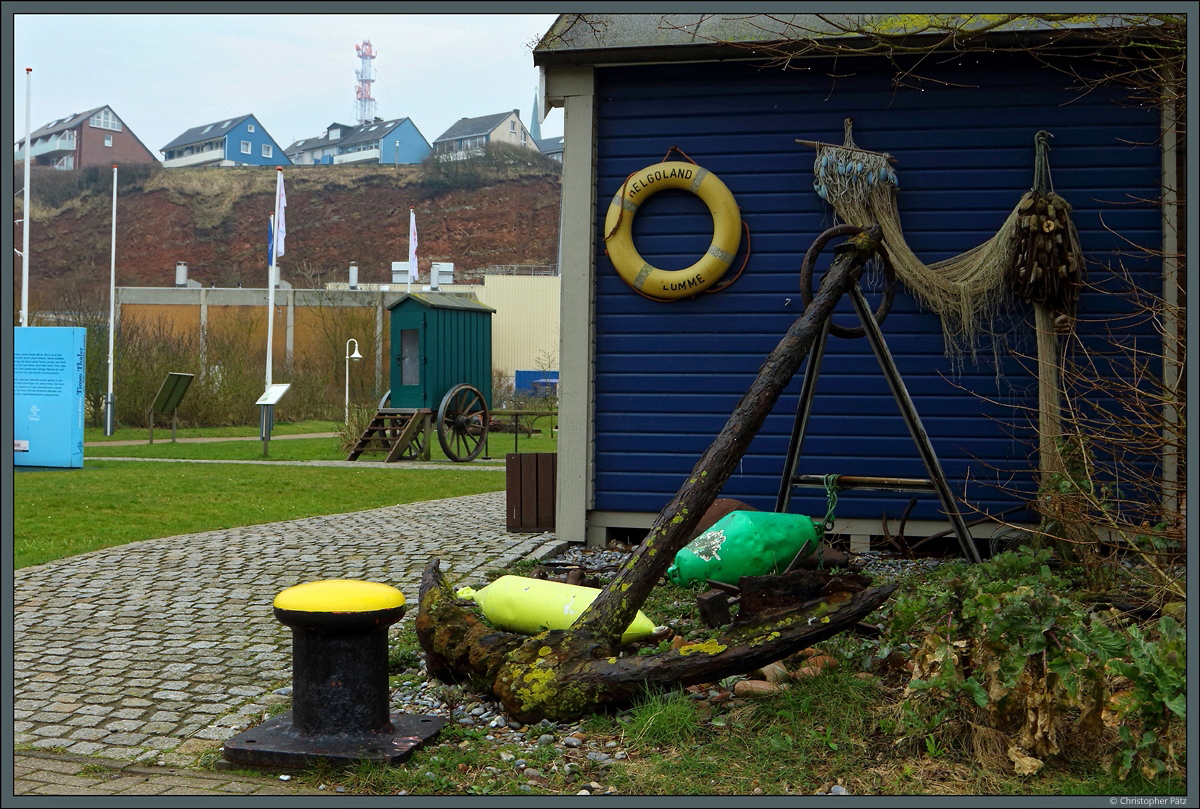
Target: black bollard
[[339, 682]]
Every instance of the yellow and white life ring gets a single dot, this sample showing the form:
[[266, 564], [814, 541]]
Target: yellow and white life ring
[[672, 284]]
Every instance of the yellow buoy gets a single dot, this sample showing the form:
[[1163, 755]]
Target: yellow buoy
[[530, 606]]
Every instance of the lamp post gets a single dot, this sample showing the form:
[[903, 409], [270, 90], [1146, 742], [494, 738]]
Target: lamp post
[[355, 356]]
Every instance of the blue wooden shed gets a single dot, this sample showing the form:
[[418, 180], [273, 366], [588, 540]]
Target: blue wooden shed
[[647, 385]]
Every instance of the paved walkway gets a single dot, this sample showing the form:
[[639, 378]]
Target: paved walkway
[[151, 654]]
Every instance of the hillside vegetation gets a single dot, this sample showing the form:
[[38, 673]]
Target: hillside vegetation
[[498, 208]]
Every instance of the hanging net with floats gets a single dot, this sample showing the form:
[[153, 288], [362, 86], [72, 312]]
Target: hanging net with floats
[[967, 290]]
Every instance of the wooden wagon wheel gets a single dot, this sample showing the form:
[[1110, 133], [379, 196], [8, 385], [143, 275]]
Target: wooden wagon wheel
[[462, 423]]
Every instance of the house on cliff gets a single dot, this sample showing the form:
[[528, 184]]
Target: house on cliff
[[646, 385], [93, 138], [552, 147], [389, 142], [240, 141], [471, 134]]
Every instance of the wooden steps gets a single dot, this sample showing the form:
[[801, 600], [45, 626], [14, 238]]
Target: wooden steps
[[403, 433]]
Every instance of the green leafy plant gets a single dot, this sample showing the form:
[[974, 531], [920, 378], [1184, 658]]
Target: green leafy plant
[[933, 747], [827, 737], [1156, 698], [1001, 638], [403, 652]]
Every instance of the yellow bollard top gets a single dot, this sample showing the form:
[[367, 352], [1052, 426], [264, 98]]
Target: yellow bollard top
[[339, 595]]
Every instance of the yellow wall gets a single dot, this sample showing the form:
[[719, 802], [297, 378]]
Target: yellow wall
[[525, 326], [176, 319]]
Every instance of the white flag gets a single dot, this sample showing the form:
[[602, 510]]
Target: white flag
[[412, 244], [280, 205]]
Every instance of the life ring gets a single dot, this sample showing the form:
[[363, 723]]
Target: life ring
[[672, 284]]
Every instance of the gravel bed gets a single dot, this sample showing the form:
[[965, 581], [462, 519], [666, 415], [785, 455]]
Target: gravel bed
[[872, 563], [877, 563]]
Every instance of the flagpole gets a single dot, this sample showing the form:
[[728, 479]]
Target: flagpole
[[276, 250], [271, 302], [412, 247], [25, 211], [109, 417]]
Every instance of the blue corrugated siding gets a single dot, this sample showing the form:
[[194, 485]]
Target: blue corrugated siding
[[668, 375], [533, 381]]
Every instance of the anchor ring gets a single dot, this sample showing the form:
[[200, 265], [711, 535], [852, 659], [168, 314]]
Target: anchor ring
[[806, 270]]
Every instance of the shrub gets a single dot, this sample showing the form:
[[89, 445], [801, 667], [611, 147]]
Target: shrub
[[229, 368], [493, 163], [999, 639], [351, 431]]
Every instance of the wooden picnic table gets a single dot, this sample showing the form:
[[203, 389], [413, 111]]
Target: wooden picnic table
[[516, 416]]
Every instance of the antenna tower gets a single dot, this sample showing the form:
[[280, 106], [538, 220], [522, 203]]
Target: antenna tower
[[365, 106]]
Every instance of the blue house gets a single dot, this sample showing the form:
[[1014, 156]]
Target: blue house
[[240, 141], [647, 385], [319, 150], [389, 142]]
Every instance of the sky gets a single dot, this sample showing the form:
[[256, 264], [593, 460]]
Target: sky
[[165, 73]]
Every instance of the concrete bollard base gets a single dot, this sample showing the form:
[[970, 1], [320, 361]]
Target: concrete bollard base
[[277, 743]]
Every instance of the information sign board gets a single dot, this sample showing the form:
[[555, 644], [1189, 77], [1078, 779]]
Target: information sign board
[[49, 371], [273, 394], [171, 393]]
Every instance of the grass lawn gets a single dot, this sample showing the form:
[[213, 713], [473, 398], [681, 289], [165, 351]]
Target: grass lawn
[[162, 433], [301, 449], [58, 513], [288, 449]]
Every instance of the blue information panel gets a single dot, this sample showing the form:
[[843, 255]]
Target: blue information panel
[[48, 378]]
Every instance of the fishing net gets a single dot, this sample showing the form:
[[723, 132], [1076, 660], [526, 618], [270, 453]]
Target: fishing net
[[966, 291], [1034, 256]]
